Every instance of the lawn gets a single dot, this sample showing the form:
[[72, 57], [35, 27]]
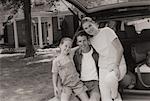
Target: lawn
[[30, 79], [27, 79]]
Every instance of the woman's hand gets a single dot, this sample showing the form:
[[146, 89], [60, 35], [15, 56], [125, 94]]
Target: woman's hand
[[117, 72]]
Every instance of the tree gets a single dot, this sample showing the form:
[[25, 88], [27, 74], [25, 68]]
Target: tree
[[27, 15], [15, 5]]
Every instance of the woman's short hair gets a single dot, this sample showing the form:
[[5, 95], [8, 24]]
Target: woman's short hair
[[87, 19]]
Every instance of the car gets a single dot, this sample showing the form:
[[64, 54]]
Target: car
[[131, 21]]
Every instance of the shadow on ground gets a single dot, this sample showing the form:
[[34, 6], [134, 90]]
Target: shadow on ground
[[25, 79]]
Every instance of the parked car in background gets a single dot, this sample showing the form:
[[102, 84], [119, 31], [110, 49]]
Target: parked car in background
[[131, 21]]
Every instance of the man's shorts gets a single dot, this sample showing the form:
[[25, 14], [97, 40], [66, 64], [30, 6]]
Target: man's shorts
[[77, 89], [92, 86]]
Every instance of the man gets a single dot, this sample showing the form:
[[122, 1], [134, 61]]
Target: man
[[86, 62]]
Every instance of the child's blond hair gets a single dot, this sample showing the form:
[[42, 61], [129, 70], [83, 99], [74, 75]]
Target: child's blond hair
[[65, 39]]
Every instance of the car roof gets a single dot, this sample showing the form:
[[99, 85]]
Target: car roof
[[118, 8]]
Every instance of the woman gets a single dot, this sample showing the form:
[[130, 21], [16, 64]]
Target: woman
[[111, 61]]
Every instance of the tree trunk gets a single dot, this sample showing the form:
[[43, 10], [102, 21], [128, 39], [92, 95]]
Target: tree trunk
[[27, 15]]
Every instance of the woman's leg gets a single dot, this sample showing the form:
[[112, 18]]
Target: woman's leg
[[111, 82], [118, 98], [104, 89], [105, 92]]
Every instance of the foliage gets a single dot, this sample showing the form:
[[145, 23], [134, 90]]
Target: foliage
[[12, 6]]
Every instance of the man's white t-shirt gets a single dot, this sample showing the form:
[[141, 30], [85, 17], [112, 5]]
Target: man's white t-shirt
[[102, 42], [88, 67]]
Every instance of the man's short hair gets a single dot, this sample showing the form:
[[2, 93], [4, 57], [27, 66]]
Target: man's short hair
[[80, 33]]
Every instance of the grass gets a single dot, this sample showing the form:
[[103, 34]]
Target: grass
[[30, 79], [25, 79]]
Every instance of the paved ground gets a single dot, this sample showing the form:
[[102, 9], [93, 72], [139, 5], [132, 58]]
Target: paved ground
[[31, 80]]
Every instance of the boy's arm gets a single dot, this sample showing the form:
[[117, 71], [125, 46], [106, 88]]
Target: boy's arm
[[55, 75], [59, 84], [73, 50], [55, 79]]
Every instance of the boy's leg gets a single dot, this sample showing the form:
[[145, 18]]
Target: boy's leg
[[66, 93], [94, 96], [83, 96]]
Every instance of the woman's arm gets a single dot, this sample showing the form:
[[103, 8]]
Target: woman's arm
[[73, 51], [116, 43], [119, 50]]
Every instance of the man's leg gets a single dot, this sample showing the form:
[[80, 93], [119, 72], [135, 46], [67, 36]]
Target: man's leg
[[93, 90]]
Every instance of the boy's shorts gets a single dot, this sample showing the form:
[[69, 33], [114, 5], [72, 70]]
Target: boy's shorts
[[77, 89]]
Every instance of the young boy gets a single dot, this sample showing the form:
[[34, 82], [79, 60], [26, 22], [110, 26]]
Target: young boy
[[64, 72]]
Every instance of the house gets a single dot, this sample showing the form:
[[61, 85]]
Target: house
[[49, 24]]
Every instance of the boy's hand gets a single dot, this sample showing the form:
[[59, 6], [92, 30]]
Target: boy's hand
[[56, 91]]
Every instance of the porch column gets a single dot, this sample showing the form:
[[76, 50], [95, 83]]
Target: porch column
[[40, 32], [50, 30], [15, 34], [1, 32]]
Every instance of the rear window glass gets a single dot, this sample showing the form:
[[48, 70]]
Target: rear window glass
[[140, 24], [95, 3]]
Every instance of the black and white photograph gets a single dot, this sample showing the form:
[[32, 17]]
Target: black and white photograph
[[74, 50]]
